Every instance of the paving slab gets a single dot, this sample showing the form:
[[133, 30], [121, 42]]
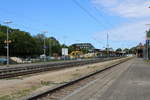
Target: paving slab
[[130, 82]]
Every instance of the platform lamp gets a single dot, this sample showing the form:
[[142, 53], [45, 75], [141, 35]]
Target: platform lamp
[[44, 45], [7, 40], [147, 53]]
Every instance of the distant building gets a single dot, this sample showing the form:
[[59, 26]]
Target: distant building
[[140, 50], [80, 46]]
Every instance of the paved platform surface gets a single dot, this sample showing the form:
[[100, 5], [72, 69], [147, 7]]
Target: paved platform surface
[[128, 81]]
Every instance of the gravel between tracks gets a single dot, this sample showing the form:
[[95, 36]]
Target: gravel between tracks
[[16, 88]]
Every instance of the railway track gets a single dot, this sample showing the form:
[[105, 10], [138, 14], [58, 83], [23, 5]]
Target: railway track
[[61, 91], [36, 68]]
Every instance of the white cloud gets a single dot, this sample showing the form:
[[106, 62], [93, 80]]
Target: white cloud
[[130, 32], [105, 3], [135, 10], [125, 8]]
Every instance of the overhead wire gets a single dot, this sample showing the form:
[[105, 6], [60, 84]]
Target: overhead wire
[[90, 15], [87, 12]]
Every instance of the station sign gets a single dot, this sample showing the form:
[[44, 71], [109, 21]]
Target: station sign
[[9, 41], [45, 47], [148, 42]]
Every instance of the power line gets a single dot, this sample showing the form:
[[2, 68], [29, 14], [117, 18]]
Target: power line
[[86, 11], [102, 17], [90, 14]]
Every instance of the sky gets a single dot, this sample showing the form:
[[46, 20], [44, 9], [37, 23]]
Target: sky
[[76, 21]]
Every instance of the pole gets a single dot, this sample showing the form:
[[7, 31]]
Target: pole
[[7, 40], [50, 47], [107, 45], [44, 50], [147, 45], [7, 48], [147, 50]]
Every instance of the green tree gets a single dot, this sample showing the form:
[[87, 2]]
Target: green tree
[[126, 50], [53, 46], [24, 44], [132, 50], [39, 39], [119, 50], [71, 48], [2, 45]]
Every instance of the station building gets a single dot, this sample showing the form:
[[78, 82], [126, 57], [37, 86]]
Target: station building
[[140, 50], [87, 46]]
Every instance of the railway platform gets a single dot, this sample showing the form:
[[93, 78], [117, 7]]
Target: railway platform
[[131, 81]]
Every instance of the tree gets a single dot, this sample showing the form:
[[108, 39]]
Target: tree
[[132, 50], [22, 44], [84, 50], [119, 50], [2, 45], [126, 50], [53, 46], [39, 39], [71, 48]]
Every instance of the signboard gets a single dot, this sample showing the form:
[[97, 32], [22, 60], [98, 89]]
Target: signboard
[[45, 47], [65, 51], [148, 42], [9, 41]]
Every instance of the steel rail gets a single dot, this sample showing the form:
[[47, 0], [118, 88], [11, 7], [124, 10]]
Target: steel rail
[[19, 71], [52, 90]]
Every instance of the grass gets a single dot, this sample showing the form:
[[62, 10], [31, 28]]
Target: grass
[[88, 67], [46, 83], [77, 69], [19, 94], [6, 97], [75, 75], [148, 61]]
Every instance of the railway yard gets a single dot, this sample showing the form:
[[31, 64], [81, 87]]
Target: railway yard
[[75, 50], [39, 82]]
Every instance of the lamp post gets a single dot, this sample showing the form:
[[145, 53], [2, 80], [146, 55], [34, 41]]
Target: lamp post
[[146, 46], [147, 50], [107, 45], [44, 45], [7, 41]]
